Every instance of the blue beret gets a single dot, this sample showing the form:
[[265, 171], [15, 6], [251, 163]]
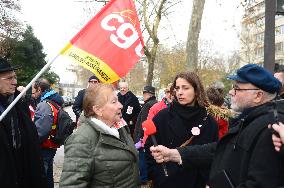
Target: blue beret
[[258, 76]]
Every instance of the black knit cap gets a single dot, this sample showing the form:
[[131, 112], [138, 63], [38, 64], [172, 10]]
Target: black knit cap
[[149, 89], [93, 78]]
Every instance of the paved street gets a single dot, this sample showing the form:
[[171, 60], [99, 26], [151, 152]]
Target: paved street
[[59, 157]]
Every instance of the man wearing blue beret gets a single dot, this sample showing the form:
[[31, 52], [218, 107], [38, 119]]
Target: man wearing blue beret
[[245, 156]]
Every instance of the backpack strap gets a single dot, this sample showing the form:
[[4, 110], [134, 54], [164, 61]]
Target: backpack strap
[[49, 143], [53, 103], [54, 110]]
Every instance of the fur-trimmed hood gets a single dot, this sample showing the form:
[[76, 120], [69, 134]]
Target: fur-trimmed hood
[[219, 112]]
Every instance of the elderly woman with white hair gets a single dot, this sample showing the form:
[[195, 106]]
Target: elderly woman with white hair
[[101, 152]]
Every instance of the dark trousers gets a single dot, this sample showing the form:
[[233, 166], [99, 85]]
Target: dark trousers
[[142, 166], [47, 157]]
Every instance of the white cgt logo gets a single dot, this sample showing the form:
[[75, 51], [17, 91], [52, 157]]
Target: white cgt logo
[[120, 39]]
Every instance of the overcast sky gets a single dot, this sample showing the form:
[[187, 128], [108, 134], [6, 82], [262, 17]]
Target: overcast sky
[[55, 22]]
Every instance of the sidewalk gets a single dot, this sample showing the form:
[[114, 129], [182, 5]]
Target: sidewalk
[[57, 165]]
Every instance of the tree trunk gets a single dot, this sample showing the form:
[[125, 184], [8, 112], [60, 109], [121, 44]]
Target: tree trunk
[[152, 29], [151, 62], [150, 74], [193, 35]]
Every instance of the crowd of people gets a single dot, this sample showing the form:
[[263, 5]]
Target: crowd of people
[[198, 141]]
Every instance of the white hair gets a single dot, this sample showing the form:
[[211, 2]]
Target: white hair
[[123, 84], [218, 85], [270, 96]]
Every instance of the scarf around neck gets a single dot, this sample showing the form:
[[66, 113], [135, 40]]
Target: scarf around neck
[[109, 130], [189, 113]]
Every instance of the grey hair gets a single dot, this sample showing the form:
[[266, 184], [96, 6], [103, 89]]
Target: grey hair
[[270, 96], [218, 85], [125, 83]]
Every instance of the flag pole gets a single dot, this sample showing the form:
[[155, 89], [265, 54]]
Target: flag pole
[[26, 88]]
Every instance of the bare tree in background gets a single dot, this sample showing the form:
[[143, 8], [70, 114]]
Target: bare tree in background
[[171, 61], [10, 27], [193, 34], [151, 45], [152, 13]]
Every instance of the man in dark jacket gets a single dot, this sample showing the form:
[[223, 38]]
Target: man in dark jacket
[[245, 156], [149, 100], [131, 106], [20, 162], [46, 126], [78, 103]]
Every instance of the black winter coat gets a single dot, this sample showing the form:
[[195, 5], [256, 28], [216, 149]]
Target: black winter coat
[[22, 167], [138, 132], [130, 110], [78, 104], [172, 131], [246, 153]]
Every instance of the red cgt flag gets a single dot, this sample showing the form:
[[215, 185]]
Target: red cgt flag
[[110, 44]]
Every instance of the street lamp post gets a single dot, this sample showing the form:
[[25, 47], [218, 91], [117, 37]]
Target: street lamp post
[[269, 36]]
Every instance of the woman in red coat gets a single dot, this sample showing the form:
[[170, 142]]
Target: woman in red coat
[[164, 103]]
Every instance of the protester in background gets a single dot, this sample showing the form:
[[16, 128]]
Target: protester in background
[[32, 96], [20, 162], [164, 103], [35, 96], [99, 154], [186, 122], [78, 103], [149, 100], [245, 156], [217, 109], [46, 127], [131, 106]]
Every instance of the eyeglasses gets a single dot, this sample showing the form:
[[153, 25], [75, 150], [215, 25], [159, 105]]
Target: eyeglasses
[[94, 81], [237, 88], [10, 78]]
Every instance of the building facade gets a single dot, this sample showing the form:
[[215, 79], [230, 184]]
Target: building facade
[[252, 34]]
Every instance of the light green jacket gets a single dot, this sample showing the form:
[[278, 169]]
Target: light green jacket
[[93, 158]]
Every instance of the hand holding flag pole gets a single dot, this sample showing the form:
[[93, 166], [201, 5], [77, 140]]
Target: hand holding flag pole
[[150, 129]]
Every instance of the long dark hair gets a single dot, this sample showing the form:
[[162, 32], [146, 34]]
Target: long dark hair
[[194, 80]]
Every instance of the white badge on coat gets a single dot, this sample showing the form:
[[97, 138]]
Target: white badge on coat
[[129, 110]]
